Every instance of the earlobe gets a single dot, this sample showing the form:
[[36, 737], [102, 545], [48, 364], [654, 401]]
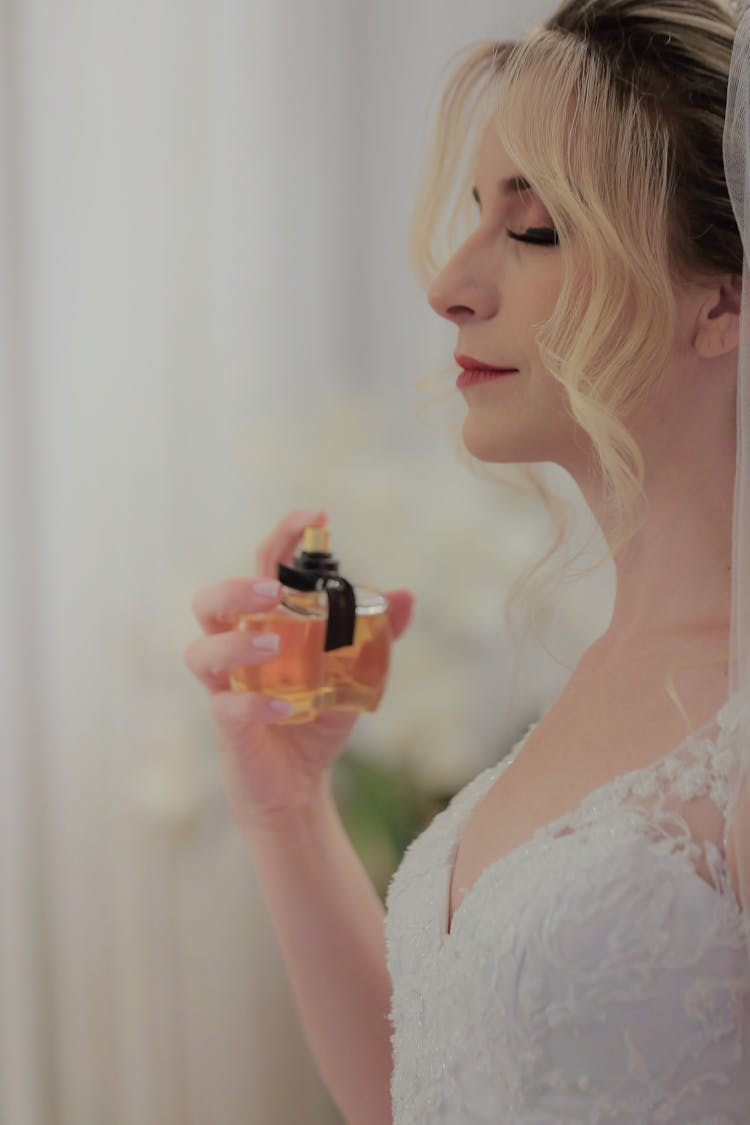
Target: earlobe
[[717, 338], [719, 322]]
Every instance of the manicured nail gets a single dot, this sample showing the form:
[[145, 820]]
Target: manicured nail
[[282, 706], [267, 588], [266, 640]]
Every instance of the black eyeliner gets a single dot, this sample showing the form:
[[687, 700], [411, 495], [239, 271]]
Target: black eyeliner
[[543, 241]]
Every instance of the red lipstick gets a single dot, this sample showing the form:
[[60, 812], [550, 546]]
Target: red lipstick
[[475, 371], [470, 364]]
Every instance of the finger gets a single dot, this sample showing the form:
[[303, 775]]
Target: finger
[[400, 610], [218, 607], [280, 545], [235, 712], [212, 658]]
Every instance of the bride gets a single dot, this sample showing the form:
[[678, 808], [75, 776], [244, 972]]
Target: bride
[[588, 961]]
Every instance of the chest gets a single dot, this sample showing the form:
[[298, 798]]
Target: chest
[[537, 788], [565, 758]]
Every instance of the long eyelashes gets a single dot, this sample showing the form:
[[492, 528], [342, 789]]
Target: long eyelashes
[[533, 236], [537, 236]]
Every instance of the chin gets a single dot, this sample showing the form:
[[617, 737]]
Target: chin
[[507, 442], [483, 444]]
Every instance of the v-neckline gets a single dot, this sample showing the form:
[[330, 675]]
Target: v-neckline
[[446, 936]]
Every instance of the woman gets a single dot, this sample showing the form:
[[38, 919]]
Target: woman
[[564, 943]]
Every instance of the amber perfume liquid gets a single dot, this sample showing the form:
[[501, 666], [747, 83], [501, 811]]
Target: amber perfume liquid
[[352, 677]]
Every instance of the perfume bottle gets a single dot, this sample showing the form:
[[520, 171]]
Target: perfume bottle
[[334, 638]]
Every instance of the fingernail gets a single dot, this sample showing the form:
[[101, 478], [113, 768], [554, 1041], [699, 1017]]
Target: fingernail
[[267, 588], [283, 706], [266, 640]]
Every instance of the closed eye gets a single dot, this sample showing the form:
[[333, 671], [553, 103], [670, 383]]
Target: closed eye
[[537, 236], [534, 236]]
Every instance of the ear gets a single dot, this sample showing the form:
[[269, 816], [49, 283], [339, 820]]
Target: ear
[[718, 321]]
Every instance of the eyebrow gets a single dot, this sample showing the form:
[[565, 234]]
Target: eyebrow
[[514, 185]]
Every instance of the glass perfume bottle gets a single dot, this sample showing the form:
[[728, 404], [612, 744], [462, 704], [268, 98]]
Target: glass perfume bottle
[[334, 638]]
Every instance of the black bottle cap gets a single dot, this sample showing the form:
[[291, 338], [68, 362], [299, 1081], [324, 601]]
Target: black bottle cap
[[315, 568]]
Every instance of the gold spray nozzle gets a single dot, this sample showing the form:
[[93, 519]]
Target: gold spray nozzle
[[316, 539]]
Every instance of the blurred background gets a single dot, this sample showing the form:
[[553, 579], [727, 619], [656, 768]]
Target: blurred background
[[207, 318]]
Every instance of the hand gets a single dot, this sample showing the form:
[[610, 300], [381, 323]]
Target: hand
[[272, 773]]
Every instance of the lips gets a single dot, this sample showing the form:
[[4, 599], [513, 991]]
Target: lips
[[470, 364], [471, 375]]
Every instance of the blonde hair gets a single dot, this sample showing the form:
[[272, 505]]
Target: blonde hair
[[641, 85]]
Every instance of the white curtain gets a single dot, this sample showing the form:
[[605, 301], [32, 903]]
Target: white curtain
[[202, 225]]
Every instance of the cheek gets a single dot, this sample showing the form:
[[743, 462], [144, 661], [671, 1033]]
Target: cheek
[[533, 305]]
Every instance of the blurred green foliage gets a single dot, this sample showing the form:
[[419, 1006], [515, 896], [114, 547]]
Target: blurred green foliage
[[383, 809]]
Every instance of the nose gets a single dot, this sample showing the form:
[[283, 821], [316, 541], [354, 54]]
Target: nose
[[462, 299], [461, 295]]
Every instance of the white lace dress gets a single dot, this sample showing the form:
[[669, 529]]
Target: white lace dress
[[597, 973]]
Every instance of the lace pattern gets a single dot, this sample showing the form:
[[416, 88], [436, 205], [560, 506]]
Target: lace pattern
[[597, 973]]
